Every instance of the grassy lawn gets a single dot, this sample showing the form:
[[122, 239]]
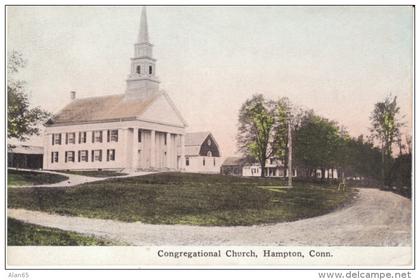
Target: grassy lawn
[[95, 173], [23, 234], [20, 178], [182, 198]]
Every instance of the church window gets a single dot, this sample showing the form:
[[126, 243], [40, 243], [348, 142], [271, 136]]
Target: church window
[[209, 142], [165, 142], [96, 155], [97, 136], [150, 70], [138, 69], [110, 155], [69, 156], [187, 161], [56, 139], [54, 157], [82, 137], [112, 135], [204, 161], [83, 155], [209, 154], [70, 138]]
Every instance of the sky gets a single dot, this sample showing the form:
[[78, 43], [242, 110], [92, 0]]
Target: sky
[[338, 61]]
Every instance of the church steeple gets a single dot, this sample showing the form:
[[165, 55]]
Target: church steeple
[[142, 81], [143, 33]]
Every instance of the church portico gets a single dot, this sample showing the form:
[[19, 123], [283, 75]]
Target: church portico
[[155, 150]]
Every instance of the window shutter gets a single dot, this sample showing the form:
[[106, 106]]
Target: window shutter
[[100, 135], [100, 155], [107, 135], [107, 155], [52, 137], [59, 142], [52, 157], [93, 136], [67, 138], [117, 135], [78, 156], [80, 134], [65, 157]]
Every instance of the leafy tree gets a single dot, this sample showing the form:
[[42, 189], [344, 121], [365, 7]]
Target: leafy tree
[[22, 121], [386, 129], [363, 158], [401, 174], [316, 143], [283, 116], [256, 133]]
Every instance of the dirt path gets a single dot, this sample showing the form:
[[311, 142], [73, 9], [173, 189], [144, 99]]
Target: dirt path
[[377, 218]]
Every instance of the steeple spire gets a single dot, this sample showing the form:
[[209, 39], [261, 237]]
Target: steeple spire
[[142, 81], [143, 33]]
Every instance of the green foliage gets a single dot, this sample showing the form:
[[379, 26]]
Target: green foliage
[[23, 234], [256, 129], [183, 198], [283, 115], [386, 129], [385, 123], [401, 175], [363, 159], [262, 129], [316, 142], [98, 173], [25, 178], [22, 121]]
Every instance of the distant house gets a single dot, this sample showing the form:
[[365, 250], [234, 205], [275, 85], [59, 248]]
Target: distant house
[[232, 166], [30, 157], [202, 153], [242, 167]]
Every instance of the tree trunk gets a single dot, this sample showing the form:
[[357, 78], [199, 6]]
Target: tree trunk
[[383, 165], [262, 169], [285, 167]]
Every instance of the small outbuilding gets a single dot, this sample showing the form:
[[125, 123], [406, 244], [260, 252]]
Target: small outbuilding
[[22, 156], [233, 166], [202, 153]]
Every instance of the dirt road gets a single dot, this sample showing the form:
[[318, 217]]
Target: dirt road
[[376, 218]]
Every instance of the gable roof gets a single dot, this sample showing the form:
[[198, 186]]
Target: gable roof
[[106, 108], [196, 138], [239, 161], [194, 141], [24, 149], [234, 161]]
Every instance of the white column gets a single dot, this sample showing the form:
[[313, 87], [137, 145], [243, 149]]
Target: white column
[[168, 150], [134, 149], [182, 165], [46, 158], [152, 149], [128, 148]]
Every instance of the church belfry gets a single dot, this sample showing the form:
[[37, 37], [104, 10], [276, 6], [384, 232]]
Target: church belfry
[[142, 81]]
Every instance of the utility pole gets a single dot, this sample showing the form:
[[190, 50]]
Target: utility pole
[[289, 163]]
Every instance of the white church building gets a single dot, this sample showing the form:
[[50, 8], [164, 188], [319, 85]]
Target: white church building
[[140, 129]]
